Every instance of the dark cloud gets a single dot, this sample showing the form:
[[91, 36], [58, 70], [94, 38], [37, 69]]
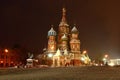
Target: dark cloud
[[26, 22]]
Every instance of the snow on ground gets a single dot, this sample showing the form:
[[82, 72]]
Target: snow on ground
[[62, 73]]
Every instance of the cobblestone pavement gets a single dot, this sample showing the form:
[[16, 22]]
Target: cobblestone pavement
[[62, 73]]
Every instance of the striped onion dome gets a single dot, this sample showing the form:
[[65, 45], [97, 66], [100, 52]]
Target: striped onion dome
[[52, 32]]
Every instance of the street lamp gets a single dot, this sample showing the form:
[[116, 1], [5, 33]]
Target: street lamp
[[105, 59], [6, 50], [106, 56]]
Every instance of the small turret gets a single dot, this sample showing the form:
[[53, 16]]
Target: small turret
[[51, 41], [65, 52], [75, 42], [58, 53]]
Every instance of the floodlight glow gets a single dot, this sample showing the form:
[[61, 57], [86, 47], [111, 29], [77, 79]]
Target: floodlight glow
[[96, 64], [83, 59], [50, 55], [111, 64], [84, 52], [104, 59], [52, 47]]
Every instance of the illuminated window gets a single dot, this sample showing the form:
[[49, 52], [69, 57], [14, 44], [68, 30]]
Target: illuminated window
[[2, 56]]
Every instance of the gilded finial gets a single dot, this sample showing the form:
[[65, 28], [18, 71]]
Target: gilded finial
[[64, 11], [52, 26]]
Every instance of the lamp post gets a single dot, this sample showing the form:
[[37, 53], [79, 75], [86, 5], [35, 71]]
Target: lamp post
[[6, 57], [105, 59]]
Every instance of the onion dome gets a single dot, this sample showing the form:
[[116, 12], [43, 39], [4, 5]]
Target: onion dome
[[65, 52], [52, 32], [74, 30], [64, 37], [58, 53]]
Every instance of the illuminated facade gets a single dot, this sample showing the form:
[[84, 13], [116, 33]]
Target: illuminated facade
[[64, 45]]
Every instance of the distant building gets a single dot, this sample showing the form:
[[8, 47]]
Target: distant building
[[9, 58], [114, 62], [64, 46]]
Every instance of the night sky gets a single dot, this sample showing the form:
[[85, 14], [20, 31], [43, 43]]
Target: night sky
[[26, 22]]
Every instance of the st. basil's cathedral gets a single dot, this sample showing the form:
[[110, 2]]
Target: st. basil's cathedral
[[63, 48]]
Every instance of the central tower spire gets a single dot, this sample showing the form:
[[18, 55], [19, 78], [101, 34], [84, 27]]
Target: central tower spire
[[63, 20], [63, 15], [63, 31]]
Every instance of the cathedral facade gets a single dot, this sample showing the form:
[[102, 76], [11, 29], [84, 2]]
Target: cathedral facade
[[64, 46]]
